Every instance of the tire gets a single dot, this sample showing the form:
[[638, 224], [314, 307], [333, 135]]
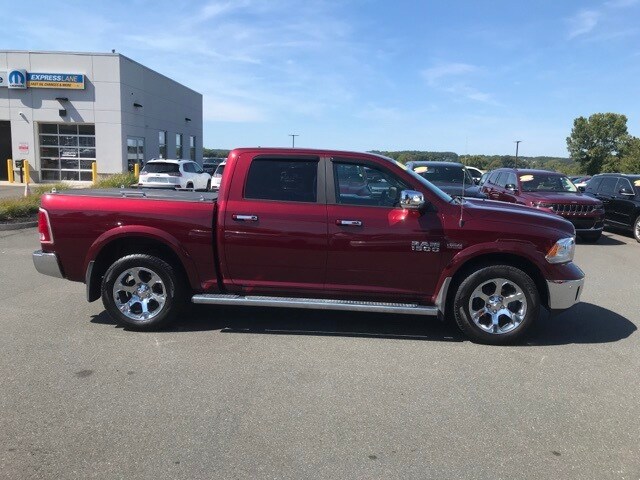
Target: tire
[[495, 283], [591, 237], [636, 229], [138, 282]]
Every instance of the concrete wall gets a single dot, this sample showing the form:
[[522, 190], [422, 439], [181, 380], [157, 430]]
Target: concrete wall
[[113, 83], [165, 105]]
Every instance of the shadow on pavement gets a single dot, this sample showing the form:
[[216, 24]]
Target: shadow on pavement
[[584, 323], [605, 241], [286, 321]]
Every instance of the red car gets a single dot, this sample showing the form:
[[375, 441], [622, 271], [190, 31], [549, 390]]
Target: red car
[[550, 191], [298, 228]]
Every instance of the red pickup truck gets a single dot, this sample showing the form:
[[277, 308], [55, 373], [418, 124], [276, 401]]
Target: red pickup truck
[[313, 229]]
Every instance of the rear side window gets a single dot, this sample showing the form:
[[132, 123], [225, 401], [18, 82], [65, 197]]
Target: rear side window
[[282, 180], [608, 185], [161, 167], [188, 167]]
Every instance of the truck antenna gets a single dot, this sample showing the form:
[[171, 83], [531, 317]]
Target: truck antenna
[[464, 176]]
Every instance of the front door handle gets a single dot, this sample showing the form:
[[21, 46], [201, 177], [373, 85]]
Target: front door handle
[[245, 218], [349, 223]]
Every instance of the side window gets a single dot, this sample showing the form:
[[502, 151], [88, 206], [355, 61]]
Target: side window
[[593, 184], [282, 180], [502, 179], [623, 183], [608, 185], [197, 168], [365, 185], [493, 178], [188, 167], [511, 179]]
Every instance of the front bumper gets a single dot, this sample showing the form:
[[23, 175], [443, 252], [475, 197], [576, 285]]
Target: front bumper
[[564, 293], [47, 263]]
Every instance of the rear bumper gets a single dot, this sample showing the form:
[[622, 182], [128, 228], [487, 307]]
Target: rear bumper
[[564, 294], [47, 263]]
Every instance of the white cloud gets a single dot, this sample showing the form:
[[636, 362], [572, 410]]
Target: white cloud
[[433, 75], [450, 77], [583, 22]]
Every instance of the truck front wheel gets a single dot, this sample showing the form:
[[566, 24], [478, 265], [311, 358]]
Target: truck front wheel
[[141, 292], [496, 304]]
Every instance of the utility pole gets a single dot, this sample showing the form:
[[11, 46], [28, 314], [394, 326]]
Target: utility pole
[[293, 139], [517, 142]]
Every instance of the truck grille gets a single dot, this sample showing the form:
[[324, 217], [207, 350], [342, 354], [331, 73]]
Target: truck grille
[[571, 209]]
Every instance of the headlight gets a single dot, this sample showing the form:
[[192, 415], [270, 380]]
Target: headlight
[[562, 251]]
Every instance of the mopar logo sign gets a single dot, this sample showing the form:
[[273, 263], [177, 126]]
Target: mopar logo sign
[[17, 79]]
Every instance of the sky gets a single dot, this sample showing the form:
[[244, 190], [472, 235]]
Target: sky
[[463, 76]]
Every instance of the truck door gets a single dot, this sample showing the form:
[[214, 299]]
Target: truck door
[[372, 241], [275, 224]]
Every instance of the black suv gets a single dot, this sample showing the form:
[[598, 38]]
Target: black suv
[[620, 194]]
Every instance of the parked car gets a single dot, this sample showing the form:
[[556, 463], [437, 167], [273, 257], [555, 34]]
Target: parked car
[[281, 232], [217, 176], [448, 177], [580, 182], [167, 173], [476, 174], [620, 194], [483, 178], [549, 191], [210, 164]]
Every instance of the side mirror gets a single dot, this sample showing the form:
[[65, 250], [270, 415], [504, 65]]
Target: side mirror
[[627, 192], [476, 181], [581, 188], [411, 200], [511, 187]]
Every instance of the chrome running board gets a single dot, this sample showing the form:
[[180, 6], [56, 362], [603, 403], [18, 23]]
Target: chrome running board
[[314, 303]]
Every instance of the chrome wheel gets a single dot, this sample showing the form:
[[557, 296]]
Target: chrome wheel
[[498, 306], [139, 293], [636, 229]]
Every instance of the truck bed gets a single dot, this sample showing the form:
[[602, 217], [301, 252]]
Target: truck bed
[[149, 193]]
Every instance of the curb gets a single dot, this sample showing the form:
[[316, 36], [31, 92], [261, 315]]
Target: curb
[[5, 227]]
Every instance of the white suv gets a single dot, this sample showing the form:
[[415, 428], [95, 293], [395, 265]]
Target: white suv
[[217, 176], [174, 173]]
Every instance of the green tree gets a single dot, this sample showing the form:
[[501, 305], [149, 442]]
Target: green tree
[[630, 161], [596, 139]]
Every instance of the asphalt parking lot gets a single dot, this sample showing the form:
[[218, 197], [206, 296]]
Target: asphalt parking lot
[[256, 393]]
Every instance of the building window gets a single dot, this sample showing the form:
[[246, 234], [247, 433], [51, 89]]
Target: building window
[[162, 144], [135, 152], [178, 145], [192, 147], [66, 151]]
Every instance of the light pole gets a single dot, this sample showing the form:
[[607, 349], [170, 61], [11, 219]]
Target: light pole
[[517, 142], [293, 139]]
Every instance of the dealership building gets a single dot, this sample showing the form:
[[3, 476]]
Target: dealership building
[[62, 111]]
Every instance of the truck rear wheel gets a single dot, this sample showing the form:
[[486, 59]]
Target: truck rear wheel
[[142, 292], [496, 304]]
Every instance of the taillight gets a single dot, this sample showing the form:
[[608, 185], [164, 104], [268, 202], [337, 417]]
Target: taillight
[[44, 227]]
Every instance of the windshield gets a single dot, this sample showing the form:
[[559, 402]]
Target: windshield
[[541, 182], [161, 167], [444, 174]]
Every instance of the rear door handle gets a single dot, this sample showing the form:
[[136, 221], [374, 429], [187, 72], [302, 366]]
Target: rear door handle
[[349, 223], [245, 218]]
